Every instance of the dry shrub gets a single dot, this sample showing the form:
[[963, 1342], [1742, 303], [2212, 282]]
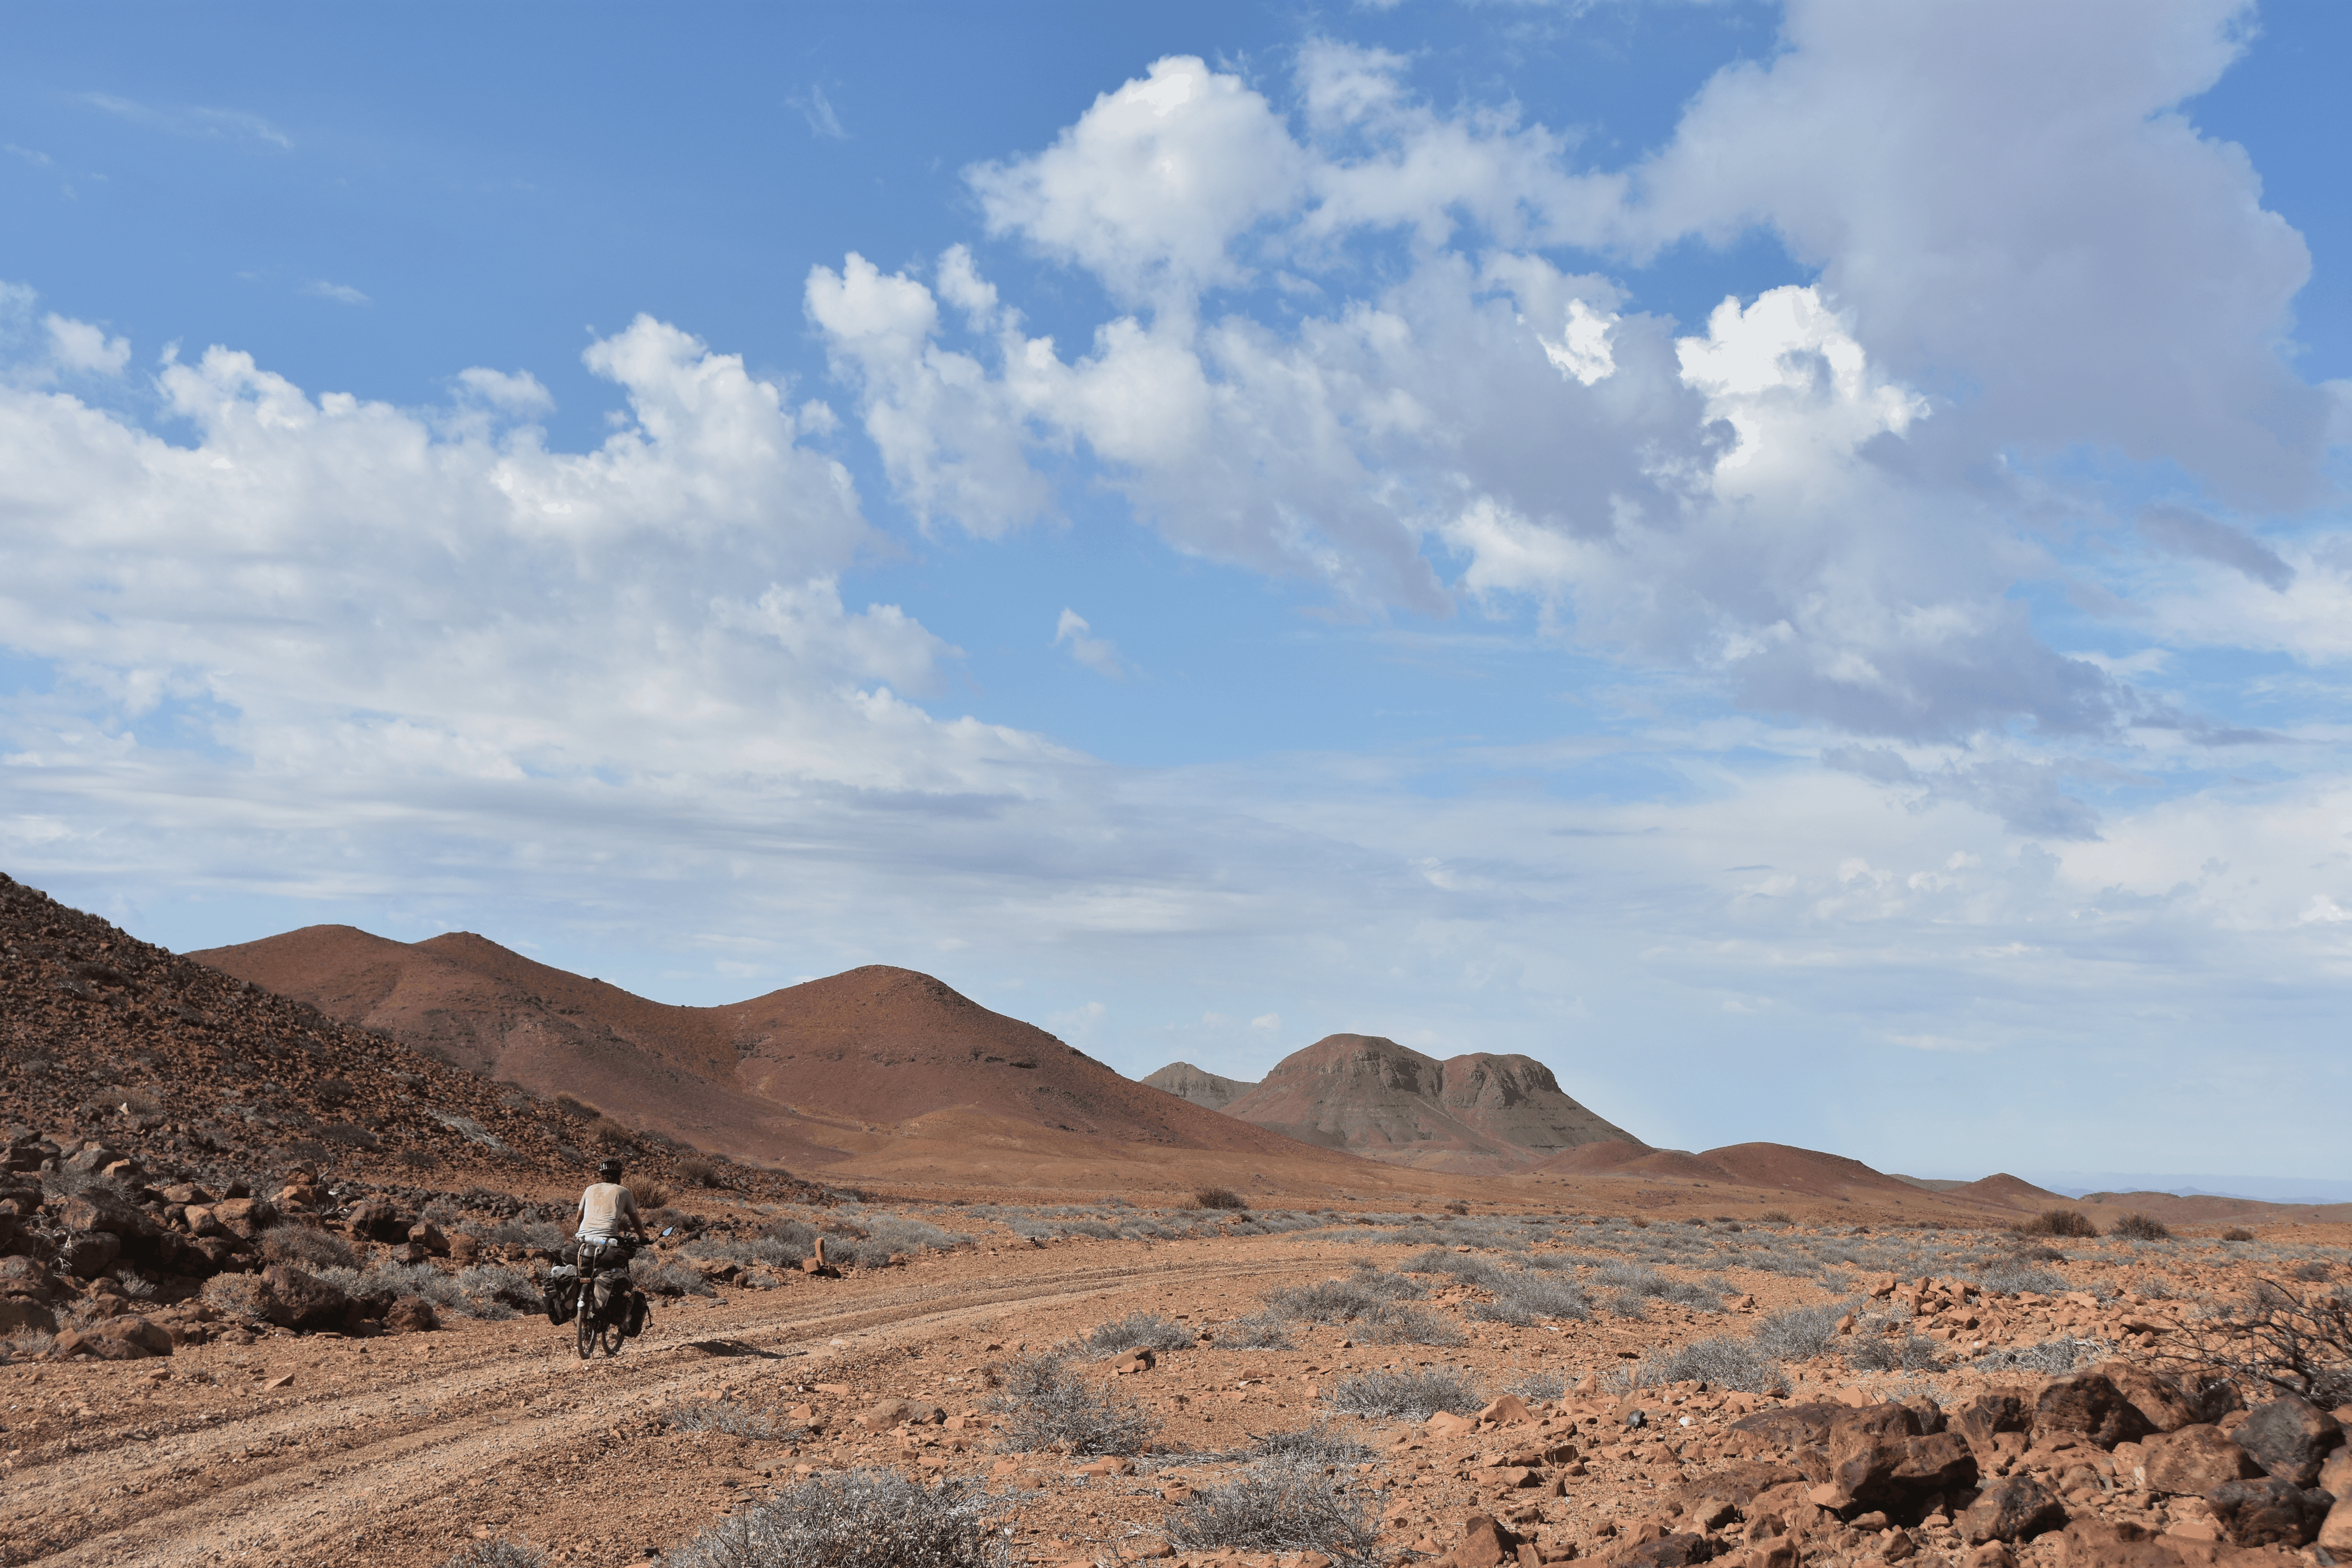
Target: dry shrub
[[1775, 1217], [238, 1295], [420, 1159], [1278, 1506], [2295, 1342], [2058, 1222], [1218, 1197], [609, 1133], [579, 1109], [137, 1101], [500, 1553], [650, 1194], [859, 1518], [697, 1172], [2237, 1233], [2137, 1226], [308, 1249]]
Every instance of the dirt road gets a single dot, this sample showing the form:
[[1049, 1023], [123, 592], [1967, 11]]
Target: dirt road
[[397, 1450]]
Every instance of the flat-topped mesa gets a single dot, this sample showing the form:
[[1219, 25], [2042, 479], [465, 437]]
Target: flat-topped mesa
[[1203, 1088], [1478, 1113]]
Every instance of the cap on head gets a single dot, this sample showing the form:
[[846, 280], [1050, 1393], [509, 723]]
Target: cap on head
[[610, 1170]]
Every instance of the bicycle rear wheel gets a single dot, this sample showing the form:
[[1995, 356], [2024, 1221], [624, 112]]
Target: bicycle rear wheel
[[584, 1325], [609, 1335]]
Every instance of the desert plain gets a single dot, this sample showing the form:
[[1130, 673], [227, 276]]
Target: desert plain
[[275, 1223]]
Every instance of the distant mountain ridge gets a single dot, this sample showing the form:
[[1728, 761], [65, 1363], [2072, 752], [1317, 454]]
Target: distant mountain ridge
[[1479, 1113], [851, 1064]]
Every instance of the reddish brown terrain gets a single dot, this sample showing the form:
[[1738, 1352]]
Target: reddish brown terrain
[[1473, 1114], [269, 1287], [881, 1071]]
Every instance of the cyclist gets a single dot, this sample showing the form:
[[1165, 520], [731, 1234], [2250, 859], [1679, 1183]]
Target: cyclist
[[606, 1220]]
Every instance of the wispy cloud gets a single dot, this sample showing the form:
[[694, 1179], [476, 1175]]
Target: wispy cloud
[[817, 109], [1095, 653], [223, 124], [340, 293]]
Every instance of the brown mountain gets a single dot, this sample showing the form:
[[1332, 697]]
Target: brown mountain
[[884, 1068], [189, 1068], [1203, 1089], [1474, 1114], [1773, 1167]]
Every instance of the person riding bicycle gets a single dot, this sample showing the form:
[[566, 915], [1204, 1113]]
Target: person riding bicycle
[[607, 1217]]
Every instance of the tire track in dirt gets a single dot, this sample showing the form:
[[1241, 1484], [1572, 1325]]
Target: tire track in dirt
[[385, 1449]]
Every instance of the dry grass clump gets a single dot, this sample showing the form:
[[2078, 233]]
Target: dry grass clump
[[2058, 1222], [308, 1249], [862, 1519], [1151, 1331], [1259, 1330], [500, 1553], [695, 1171], [2137, 1226], [1414, 1396], [1049, 1406], [1219, 1197], [1277, 1507], [650, 1194], [2237, 1233], [1878, 1353]]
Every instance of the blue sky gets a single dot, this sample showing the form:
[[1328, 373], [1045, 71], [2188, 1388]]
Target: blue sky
[[1790, 562]]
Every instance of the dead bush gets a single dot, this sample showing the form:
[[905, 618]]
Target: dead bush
[[501, 1554], [1277, 1507], [1148, 1330], [2237, 1233], [607, 1134], [1218, 1197], [863, 1518], [1775, 1217], [697, 1172], [135, 1102], [1410, 1396], [2058, 1222], [650, 1194], [1065, 1414], [2297, 1343], [2139, 1227], [577, 1109]]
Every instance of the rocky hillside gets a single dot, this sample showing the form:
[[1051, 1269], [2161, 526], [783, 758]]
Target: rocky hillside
[[1474, 1114], [1203, 1088], [796, 1076]]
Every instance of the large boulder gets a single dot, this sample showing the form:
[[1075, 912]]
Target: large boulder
[[27, 1277], [1880, 1459], [2089, 1406], [103, 1208], [86, 1254], [2012, 1509], [295, 1299], [2268, 1512], [2158, 1399], [410, 1314], [244, 1217], [24, 1312], [1988, 1416], [2291, 1438], [2193, 1461], [116, 1339]]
